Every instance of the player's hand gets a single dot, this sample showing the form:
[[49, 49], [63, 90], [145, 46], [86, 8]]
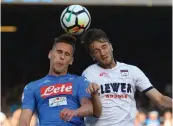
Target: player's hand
[[93, 88], [67, 114]]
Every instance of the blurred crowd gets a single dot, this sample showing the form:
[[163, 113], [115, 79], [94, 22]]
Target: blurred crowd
[[14, 119], [151, 118], [148, 113]]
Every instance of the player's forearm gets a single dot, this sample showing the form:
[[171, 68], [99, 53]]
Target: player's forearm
[[24, 123], [97, 106], [25, 117], [85, 110], [166, 102]]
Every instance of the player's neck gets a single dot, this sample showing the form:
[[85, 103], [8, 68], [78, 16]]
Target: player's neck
[[51, 72], [110, 66]]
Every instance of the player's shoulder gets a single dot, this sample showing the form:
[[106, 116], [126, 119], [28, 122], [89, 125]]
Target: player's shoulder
[[128, 66], [77, 77], [92, 67], [34, 84], [122, 64]]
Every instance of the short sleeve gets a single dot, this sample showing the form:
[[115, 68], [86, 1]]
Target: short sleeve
[[28, 99], [84, 73], [83, 84], [141, 81]]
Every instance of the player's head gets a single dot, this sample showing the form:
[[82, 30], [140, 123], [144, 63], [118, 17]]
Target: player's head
[[97, 44], [61, 54]]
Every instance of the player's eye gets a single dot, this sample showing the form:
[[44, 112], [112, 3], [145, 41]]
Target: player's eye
[[67, 54], [95, 51], [59, 51]]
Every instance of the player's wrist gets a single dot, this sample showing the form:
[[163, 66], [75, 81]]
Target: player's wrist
[[95, 94], [77, 112]]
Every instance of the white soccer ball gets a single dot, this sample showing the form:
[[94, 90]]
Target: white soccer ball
[[75, 19]]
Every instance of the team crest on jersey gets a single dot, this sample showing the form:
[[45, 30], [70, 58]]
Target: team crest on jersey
[[124, 73]]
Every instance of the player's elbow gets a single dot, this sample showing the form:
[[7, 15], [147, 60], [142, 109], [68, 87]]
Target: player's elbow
[[97, 112]]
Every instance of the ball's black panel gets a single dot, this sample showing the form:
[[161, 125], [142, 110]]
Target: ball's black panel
[[76, 21]]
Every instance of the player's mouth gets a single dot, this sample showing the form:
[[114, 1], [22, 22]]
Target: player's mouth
[[59, 64], [105, 58]]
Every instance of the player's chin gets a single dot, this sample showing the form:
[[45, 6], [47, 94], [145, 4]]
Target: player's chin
[[106, 62], [58, 70]]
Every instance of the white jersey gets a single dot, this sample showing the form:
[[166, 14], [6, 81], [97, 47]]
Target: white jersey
[[117, 89]]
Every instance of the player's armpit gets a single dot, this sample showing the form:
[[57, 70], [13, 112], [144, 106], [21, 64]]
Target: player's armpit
[[25, 117], [86, 108], [159, 99]]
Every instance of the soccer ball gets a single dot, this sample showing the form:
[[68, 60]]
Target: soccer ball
[[75, 19]]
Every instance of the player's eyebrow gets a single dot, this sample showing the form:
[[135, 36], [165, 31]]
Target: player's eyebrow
[[104, 45]]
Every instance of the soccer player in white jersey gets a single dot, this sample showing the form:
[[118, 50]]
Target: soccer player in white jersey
[[118, 83]]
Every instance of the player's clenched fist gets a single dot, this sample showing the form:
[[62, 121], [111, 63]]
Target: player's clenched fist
[[67, 114], [93, 88]]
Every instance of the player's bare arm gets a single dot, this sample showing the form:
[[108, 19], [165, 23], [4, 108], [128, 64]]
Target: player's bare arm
[[97, 106], [86, 109], [25, 117], [159, 99]]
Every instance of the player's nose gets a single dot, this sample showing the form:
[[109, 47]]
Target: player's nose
[[62, 56], [102, 53]]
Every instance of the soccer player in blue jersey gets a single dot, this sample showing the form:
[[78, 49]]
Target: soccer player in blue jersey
[[60, 98]]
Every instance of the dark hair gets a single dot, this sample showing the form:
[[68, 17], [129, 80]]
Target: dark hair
[[92, 35], [66, 38]]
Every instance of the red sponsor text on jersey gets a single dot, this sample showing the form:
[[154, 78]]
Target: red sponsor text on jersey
[[56, 89], [103, 73]]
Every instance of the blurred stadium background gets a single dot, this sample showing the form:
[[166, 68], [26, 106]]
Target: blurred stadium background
[[140, 31]]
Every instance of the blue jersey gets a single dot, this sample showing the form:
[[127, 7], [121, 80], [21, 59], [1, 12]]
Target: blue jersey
[[51, 94]]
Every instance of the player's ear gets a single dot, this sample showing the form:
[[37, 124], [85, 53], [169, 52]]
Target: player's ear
[[50, 53], [71, 62], [92, 57], [111, 47]]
